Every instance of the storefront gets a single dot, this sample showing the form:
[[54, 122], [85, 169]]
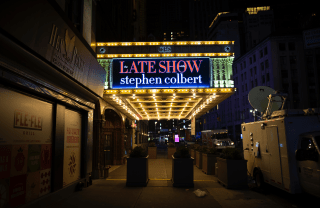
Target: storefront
[[50, 85]]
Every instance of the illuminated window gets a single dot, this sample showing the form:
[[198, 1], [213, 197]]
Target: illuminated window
[[164, 33], [165, 39], [171, 33]]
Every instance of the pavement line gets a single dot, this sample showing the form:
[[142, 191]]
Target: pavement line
[[114, 179], [206, 180], [159, 179]]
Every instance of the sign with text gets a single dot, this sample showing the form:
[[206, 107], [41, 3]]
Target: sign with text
[[176, 138], [311, 38], [161, 73], [72, 147]]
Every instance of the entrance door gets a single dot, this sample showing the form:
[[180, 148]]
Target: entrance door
[[107, 150]]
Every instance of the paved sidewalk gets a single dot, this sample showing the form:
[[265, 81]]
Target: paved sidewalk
[[159, 193]]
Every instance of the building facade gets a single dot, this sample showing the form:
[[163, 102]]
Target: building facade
[[51, 84]]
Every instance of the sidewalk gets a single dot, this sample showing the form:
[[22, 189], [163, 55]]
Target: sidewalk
[[159, 193]]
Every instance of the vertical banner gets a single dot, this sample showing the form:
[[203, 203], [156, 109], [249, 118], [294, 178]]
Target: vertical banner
[[193, 126], [72, 147]]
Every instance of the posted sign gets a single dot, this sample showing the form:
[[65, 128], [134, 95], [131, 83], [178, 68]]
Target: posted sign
[[161, 73]]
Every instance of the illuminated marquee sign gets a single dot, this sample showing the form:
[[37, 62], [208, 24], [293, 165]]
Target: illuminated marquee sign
[[161, 73]]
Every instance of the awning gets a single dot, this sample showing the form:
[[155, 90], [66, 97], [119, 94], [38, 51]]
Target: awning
[[165, 104]]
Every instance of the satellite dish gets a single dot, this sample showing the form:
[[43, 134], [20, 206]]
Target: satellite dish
[[258, 98]]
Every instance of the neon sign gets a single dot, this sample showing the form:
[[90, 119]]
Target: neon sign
[[161, 73]]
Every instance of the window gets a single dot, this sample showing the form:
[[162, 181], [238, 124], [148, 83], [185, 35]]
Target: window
[[241, 77], [261, 54], [283, 62], [256, 82], [254, 58], [291, 46], [252, 86], [241, 66], [164, 33], [284, 73], [262, 66], [255, 70], [307, 143], [293, 60], [242, 88], [246, 87], [244, 64], [265, 51], [245, 75], [250, 59], [266, 64], [268, 77], [282, 46], [263, 79], [251, 72], [235, 69]]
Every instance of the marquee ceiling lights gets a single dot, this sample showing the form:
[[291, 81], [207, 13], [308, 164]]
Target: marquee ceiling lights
[[164, 55], [184, 105], [163, 43]]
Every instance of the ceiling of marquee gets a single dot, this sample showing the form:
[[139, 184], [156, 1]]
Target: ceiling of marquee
[[164, 104]]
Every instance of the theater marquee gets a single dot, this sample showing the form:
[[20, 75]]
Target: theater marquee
[[161, 73]]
